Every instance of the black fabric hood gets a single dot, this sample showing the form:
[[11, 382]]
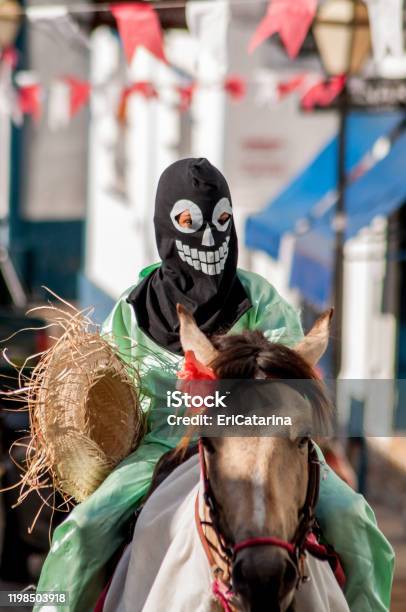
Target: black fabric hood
[[199, 262]]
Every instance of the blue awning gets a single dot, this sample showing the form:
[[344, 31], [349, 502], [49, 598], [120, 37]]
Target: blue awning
[[379, 192], [312, 266], [265, 229]]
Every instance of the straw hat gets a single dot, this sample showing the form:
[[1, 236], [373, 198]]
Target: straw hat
[[85, 411]]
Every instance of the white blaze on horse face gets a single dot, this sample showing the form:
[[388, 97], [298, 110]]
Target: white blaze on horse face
[[259, 482]]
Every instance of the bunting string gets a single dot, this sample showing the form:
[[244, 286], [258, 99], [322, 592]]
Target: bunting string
[[139, 26], [290, 19], [67, 95]]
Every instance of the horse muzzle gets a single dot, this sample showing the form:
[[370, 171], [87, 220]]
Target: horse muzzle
[[265, 579]]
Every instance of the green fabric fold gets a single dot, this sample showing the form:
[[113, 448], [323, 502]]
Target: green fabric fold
[[93, 532]]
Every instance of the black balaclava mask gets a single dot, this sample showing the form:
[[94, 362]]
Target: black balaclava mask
[[199, 262]]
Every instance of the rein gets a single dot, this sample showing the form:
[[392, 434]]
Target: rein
[[221, 554]]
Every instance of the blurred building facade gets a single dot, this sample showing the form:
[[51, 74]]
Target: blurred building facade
[[43, 173], [77, 211], [372, 399]]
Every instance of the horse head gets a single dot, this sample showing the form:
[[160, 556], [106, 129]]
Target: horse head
[[260, 485]]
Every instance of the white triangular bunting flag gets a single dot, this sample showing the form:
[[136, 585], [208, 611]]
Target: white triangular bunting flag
[[8, 96], [59, 105], [57, 23], [266, 87], [386, 24]]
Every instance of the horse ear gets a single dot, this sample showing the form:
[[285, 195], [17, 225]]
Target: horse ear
[[314, 344], [192, 339]]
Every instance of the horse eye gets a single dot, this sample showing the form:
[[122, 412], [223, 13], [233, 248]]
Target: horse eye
[[303, 441]]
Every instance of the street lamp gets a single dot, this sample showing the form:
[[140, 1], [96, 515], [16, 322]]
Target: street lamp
[[341, 31], [342, 35], [10, 18]]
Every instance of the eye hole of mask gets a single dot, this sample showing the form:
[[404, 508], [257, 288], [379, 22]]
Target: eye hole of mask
[[222, 214], [186, 216]]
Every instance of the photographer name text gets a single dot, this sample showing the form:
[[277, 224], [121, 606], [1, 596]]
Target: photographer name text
[[227, 420]]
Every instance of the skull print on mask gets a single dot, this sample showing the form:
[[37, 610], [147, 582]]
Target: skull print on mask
[[197, 243], [205, 252]]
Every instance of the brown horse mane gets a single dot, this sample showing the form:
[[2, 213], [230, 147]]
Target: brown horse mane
[[250, 355]]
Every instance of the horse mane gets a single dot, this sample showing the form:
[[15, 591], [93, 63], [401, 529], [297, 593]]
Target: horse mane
[[250, 355]]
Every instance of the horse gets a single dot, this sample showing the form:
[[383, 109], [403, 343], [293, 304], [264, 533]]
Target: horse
[[230, 527]]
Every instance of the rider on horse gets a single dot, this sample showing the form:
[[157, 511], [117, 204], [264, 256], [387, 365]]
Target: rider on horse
[[197, 244]]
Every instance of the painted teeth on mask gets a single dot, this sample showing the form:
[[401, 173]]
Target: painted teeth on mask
[[208, 262]]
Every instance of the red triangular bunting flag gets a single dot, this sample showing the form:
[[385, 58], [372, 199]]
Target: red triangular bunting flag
[[29, 97], [291, 18], [186, 93], [323, 93], [286, 87], [236, 87], [79, 94], [144, 88], [9, 56], [139, 26]]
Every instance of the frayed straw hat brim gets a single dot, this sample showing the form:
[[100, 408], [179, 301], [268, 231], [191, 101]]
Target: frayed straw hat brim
[[85, 412]]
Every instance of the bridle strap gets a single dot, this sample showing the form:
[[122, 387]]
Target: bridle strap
[[308, 518], [202, 535], [272, 541], [319, 551], [304, 540], [298, 545], [210, 502], [219, 562]]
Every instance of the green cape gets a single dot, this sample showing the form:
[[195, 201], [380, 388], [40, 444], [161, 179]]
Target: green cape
[[84, 543]]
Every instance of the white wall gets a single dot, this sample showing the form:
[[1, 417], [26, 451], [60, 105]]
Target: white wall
[[5, 148], [369, 336], [55, 162], [120, 234]]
